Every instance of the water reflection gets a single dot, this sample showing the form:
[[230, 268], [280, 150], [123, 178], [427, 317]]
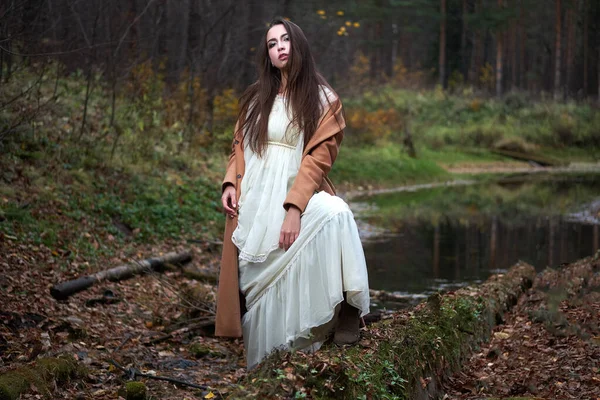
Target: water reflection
[[435, 245]]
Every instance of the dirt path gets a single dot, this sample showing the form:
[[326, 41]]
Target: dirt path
[[516, 167]]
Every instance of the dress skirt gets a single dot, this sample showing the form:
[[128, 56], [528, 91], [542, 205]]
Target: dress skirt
[[292, 296]]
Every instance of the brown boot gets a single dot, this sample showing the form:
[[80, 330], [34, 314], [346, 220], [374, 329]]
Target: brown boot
[[347, 330]]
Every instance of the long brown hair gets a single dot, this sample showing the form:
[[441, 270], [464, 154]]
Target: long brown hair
[[302, 90]]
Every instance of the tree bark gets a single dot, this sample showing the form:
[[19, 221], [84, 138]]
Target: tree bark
[[586, 24], [499, 54], [476, 51], [63, 290], [557, 51], [570, 47], [514, 52], [522, 47], [463, 39], [442, 56]]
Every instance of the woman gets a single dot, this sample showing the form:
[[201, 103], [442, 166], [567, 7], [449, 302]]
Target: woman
[[291, 249]]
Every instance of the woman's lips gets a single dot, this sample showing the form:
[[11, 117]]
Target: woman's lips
[[283, 57]]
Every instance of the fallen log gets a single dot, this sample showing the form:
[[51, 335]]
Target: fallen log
[[544, 161], [406, 356], [62, 291]]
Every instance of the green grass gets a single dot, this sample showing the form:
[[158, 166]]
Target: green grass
[[511, 200], [438, 119], [453, 155], [383, 165]]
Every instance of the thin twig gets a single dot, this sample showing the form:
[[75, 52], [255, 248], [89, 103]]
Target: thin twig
[[177, 294], [127, 339], [133, 372], [177, 325], [188, 328]]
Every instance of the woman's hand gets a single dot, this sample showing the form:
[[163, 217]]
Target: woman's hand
[[229, 201], [290, 228]]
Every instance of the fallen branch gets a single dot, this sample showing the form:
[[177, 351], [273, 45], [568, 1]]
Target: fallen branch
[[188, 328], [63, 290], [133, 372], [539, 159]]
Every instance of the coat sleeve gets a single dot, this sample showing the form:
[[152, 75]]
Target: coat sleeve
[[317, 163], [230, 172]]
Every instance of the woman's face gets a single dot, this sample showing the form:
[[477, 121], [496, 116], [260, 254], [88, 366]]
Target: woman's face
[[278, 44]]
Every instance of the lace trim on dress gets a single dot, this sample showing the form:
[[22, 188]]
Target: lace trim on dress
[[255, 258]]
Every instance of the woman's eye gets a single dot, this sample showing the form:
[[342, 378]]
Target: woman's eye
[[287, 38], [271, 44]]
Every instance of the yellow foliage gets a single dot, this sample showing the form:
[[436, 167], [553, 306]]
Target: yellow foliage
[[348, 23], [374, 126], [487, 77], [475, 105], [321, 12], [143, 81], [225, 113], [177, 105], [340, 13], [356, 25], [455, 80], [360, 69], [404, 78], [225, 108]]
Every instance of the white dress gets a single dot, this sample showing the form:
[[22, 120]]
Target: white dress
[[291, 296]]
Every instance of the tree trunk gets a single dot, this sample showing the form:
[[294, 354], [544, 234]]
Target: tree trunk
[[513, 51], [570, 47], [522, 47], [442, 56], [476, 51], [557, 51], [499, 53], [586, 24], [90, 75], [463, 40], [177, 36], [63, 290]]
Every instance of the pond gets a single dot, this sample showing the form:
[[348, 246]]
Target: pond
[[445, 237]]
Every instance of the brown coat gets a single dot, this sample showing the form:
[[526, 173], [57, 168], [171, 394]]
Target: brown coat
[[317, 159]]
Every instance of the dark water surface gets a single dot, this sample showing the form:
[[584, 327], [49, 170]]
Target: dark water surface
[[447, 237]]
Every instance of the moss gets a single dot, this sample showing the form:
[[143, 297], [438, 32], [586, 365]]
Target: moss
[[404, 357], [12, 384], [135, 391], [199, 350], [60, 369], [42, 375]]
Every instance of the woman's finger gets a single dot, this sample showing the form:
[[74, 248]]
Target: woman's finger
[[287, 241], [226, 201]]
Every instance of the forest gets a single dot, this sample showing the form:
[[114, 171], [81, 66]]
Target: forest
[[470, 161], [196, 57]]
